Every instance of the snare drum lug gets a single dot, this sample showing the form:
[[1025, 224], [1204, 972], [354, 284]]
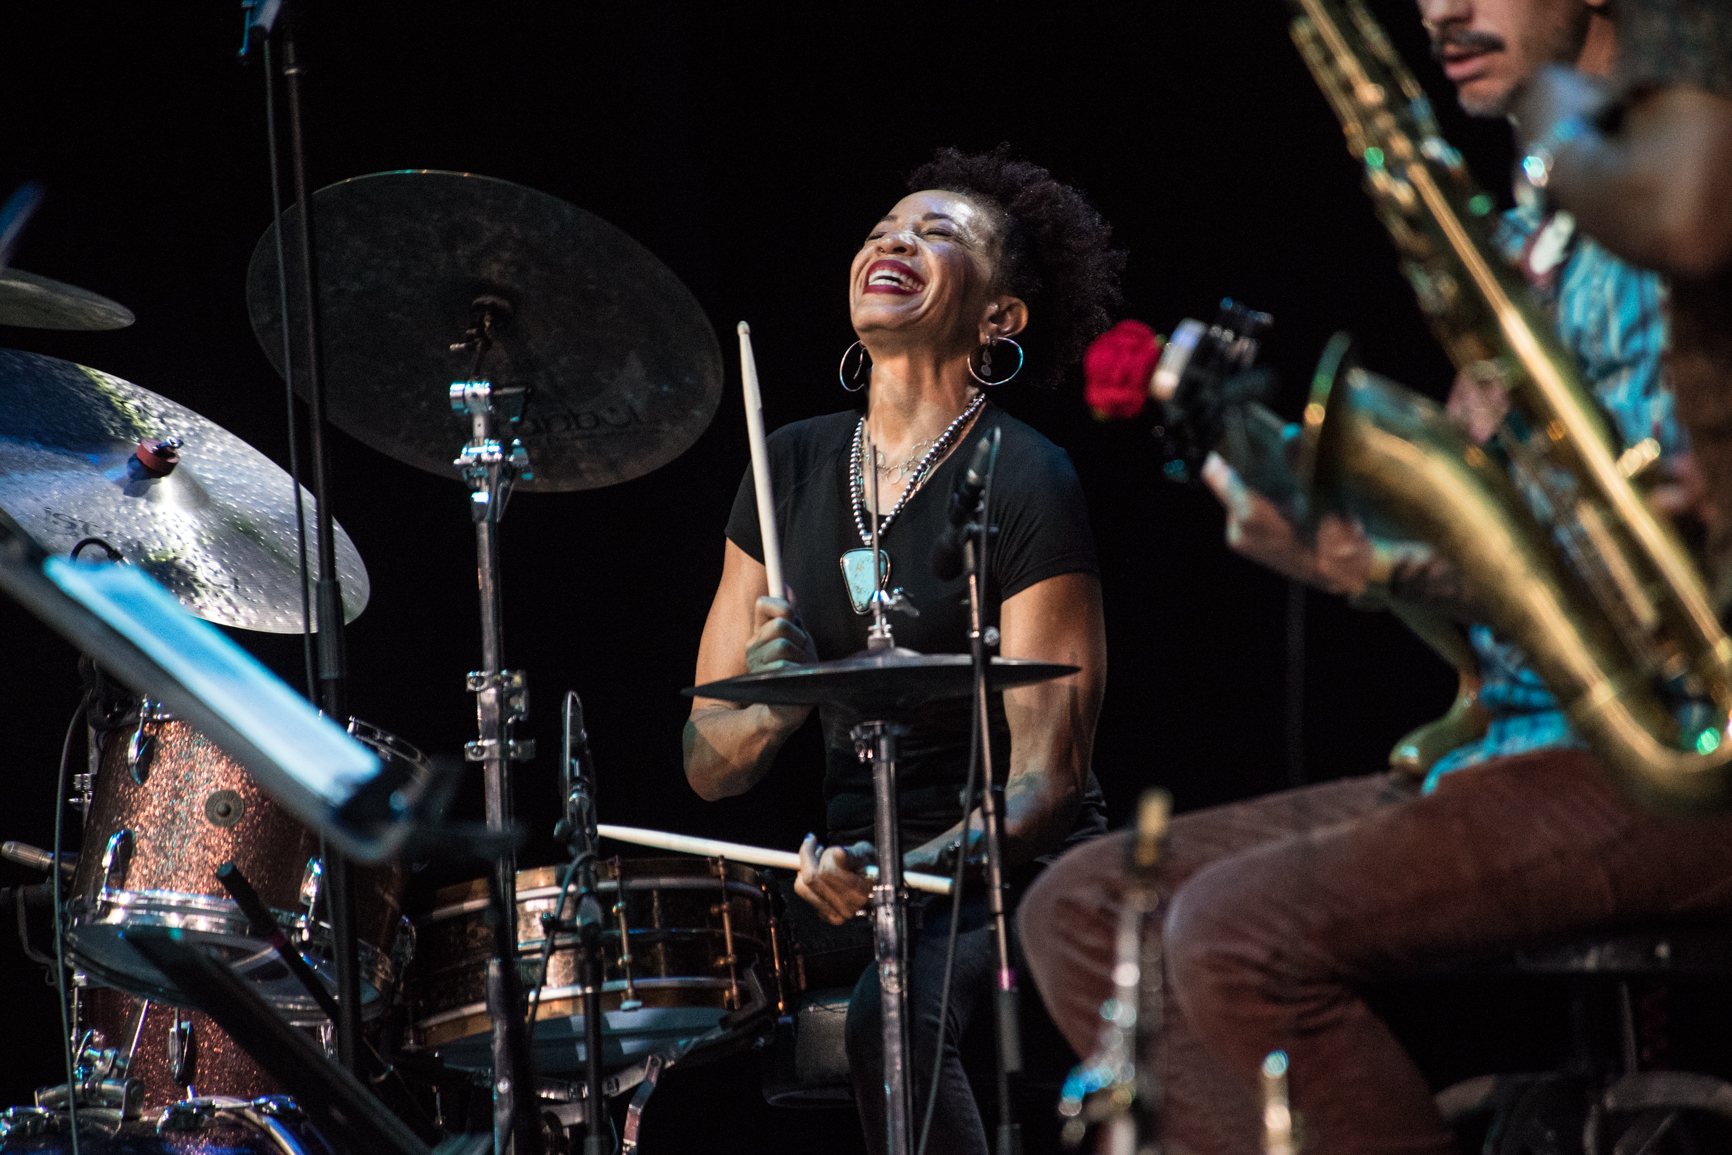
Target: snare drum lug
[[116, 857], [180, 1050], [140, 749]]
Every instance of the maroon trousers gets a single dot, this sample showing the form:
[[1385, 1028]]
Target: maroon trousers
[[1279, 908]]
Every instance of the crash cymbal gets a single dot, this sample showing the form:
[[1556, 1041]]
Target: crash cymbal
[[879, 684], [217, 529], [623, 365], [38, 303]]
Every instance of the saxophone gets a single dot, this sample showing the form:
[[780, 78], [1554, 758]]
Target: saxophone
[[1572, 565]]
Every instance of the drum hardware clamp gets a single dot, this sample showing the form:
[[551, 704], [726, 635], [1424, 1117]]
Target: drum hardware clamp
[[514, 686]]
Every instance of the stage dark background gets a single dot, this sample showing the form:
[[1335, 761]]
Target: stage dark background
[[750, 151]]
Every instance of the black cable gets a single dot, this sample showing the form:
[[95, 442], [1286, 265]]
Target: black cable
[[550, 936], [289, 375], [950, 942], [977, 726], [59, 925]]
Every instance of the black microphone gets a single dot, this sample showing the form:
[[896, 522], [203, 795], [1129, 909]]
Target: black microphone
[[947, 550], [575, 770]]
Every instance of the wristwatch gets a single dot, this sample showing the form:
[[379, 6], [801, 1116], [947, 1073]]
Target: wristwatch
[[1536, 166]]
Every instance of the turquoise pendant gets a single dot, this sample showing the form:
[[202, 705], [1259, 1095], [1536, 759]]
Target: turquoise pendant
[[857, 572]]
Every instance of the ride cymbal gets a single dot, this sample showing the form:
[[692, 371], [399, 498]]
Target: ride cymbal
[[213, 519], [623, 367]]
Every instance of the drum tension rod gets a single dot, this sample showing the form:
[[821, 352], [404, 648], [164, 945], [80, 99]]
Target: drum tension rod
[[728, 959], [265, 925], [631, 1002]]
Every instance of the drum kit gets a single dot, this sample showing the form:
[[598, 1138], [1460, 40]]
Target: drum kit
[[580, 361]]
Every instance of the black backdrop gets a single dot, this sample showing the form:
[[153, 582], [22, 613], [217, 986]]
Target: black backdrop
[[750, 150]]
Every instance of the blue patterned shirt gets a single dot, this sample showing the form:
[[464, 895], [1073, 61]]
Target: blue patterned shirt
[[1612, 316]]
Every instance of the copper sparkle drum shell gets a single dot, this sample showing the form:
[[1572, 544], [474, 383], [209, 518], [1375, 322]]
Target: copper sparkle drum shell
[[216, 1064], [158, 827], [683, 979]]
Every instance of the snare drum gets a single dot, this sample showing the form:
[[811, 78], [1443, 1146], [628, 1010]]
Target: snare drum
[[167, 808], [698, 943]]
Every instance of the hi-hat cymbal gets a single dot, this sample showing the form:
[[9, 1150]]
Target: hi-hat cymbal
[[218, 530], [623, 365], [38, 303], [878, 684]]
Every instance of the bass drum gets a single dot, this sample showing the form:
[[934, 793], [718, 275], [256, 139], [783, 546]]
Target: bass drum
[[690, 940], [167, 808]]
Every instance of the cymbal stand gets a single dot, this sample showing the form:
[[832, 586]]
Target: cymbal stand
[[492, 469], [974, 552], [877, 741]]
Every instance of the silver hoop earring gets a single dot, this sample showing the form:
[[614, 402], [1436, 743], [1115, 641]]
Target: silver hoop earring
[[842, 373], [986, 363]]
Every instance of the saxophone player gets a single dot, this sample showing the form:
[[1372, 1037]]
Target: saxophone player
[[1280, 909], [1644, 164]]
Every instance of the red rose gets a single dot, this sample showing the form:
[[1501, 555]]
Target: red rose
[[1117, 369]]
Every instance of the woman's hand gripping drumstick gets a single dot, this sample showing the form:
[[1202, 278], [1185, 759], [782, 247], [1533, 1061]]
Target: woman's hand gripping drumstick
[[729, 746]]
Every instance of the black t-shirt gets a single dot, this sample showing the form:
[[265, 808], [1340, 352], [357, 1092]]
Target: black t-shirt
[[1043, 525]]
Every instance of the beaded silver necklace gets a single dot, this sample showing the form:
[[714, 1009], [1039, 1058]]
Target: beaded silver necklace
[[857, 568]]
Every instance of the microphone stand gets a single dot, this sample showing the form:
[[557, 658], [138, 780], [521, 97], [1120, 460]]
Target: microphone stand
[[577, 787], [977, 533], [333, 673]]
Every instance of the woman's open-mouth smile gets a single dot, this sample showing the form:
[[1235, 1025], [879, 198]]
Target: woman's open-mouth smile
[[893, 277]]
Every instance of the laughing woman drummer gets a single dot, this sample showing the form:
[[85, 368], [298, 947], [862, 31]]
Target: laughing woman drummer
[[939, 294]]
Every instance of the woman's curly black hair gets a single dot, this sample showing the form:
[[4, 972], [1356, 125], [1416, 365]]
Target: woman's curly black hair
[[1056, 252]]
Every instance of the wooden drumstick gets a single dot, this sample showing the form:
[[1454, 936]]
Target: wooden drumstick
[[760, 464], [752, 855]]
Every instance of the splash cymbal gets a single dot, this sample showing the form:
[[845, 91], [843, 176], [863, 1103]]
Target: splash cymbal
[[35, 302]]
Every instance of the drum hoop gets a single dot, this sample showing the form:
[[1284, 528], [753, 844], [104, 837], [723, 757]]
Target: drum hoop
[[554, 994], [221, 917], [551, 893]]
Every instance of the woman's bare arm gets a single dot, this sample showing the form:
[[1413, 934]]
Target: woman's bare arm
[[1052, 724], [729, 746]]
